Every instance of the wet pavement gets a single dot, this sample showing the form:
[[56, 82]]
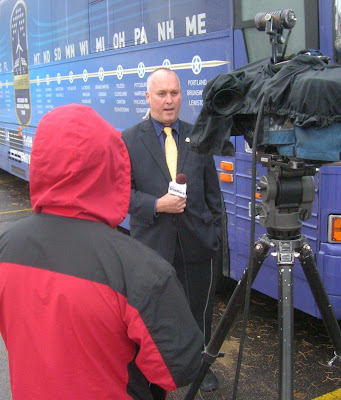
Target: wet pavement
[[258, 378], [14, 199], [260, 364]]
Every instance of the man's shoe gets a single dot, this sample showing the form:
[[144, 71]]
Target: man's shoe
[[210, 382]]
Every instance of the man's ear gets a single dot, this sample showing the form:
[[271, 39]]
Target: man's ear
[[147, 98]]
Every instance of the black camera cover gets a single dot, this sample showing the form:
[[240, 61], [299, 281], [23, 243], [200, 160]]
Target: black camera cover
[[302, 108]]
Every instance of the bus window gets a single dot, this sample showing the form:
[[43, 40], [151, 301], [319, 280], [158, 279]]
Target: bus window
[[257, 43], [100, 33], [57, 27]]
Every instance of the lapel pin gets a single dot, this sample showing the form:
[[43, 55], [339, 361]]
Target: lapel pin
[[187, 139]]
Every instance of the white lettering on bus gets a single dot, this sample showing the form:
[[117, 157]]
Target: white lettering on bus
[[165, 30], [118, 40], [121, 94], [84, 47], [57, 54], [140, 84], [194, 92], [70, 51], [140, 36], [197, 82], [196, 25], [100, 44], [140, 110], [46, 56], [104, 86], [195, 102], [36, 58], [23, 106]]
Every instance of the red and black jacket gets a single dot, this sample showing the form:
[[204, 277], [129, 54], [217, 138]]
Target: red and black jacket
[[85, 311]]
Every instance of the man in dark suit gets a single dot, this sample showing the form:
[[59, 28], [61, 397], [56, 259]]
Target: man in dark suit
[[184, 230]]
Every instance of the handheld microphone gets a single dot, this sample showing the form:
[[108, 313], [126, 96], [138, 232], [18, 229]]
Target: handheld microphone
[[179, 186]]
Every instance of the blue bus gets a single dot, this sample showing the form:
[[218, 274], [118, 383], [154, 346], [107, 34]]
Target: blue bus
[[100, 52]]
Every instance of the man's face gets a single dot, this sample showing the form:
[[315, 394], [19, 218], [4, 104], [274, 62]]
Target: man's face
[[164, 97]]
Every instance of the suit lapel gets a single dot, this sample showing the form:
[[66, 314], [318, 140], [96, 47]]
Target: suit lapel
[[151, 141], [182, 146]]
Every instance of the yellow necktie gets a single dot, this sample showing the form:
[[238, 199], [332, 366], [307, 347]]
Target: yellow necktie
[[171, 152]]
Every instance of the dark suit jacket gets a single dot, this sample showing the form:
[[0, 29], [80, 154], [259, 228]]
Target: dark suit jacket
[[199, 227]]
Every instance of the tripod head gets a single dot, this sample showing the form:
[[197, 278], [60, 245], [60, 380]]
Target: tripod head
[[287, 194]]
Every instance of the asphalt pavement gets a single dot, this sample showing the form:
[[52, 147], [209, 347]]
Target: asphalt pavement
[[258, 379]]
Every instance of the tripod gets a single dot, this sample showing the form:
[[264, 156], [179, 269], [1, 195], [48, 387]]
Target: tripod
[[287, 194]]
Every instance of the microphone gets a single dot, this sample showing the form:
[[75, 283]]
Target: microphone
[[280, 19], [179, 186]]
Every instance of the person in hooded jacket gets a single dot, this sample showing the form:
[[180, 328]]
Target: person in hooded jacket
[[87, 312]]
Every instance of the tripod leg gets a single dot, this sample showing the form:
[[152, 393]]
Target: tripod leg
[[321, 298], [237, 299], [286, 331]]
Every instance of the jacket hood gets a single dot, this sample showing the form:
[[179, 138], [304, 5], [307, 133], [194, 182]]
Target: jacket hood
[[80, 167]]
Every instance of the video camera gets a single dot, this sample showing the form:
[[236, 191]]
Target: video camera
[[298, 100]]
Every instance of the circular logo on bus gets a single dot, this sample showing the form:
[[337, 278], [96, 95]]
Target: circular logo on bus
[[85, 75], [196, 65], [101, 74], [167, 64], [141, 70], [119, 72]]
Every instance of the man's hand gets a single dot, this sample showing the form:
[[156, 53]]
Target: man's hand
[[170, 204]]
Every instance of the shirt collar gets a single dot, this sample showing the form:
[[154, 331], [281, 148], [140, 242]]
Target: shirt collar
[[159, 127]]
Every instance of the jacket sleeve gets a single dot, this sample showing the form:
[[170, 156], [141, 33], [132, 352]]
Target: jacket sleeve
[[170, 341], [212, 193], [141, 203]]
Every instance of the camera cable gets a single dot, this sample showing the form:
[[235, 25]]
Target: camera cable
[[252, 240]]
